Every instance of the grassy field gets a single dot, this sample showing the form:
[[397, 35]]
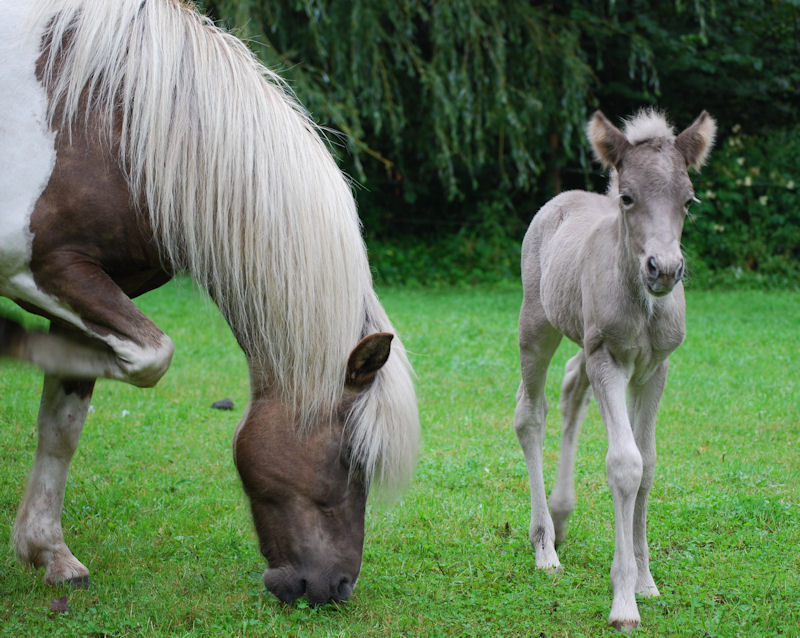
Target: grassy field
[[155, 510]]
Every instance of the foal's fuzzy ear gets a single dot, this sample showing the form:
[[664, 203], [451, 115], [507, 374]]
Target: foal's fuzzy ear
[[367, 358], [608, 142], [696, 141]]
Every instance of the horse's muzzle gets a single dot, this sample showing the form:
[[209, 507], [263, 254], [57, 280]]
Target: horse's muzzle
[[287, 585]]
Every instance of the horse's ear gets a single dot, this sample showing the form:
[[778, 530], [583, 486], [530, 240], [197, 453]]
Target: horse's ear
[[367, 358], [696, 141], [608, 142]]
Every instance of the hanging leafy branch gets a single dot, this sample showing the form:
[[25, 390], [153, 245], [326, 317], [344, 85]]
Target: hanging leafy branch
[[446, 106], [438, 88]]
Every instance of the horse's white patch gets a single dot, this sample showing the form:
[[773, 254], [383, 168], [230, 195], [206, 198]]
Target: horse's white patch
[[27, 147], [27, 154]]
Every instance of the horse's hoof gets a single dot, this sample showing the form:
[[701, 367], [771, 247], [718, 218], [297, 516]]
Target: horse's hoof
[[79, 582], [625, 626]]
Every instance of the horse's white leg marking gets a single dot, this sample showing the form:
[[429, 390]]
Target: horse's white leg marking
[[575, 397], [538, 343], [624, 469], [38, 537], [642, 407]]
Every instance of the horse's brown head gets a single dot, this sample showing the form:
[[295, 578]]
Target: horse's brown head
[[653, 187], [307, 498]]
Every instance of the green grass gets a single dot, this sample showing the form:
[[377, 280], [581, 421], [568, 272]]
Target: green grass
[[155, 510]]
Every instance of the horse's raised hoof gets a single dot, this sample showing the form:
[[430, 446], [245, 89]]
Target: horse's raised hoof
[[625, 626], [79, 582]]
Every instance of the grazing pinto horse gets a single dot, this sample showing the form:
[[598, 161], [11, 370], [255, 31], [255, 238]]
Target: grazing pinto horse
[[137, 140], [605, 270]]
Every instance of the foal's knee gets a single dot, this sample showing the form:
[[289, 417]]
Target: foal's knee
[[529, 416], [648, 470], [624, 469]]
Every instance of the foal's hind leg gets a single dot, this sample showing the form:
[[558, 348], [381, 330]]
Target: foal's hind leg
[[38, 536], [642, 406], [538, 342], [575, 396]]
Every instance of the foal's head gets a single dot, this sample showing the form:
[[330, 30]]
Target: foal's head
[[307, 498], [653, 186]]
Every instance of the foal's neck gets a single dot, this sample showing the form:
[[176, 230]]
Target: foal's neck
[[630, 274]]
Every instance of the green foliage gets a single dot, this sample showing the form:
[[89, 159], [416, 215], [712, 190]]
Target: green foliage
[[447, 109], [155, 510], [748, 226], [435, 92], [483, 252]]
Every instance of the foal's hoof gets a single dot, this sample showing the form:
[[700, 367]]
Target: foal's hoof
[[79, 582], [625, 626]]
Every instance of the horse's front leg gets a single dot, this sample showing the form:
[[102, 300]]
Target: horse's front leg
[[624, 470], [642, 408], [38, 537]]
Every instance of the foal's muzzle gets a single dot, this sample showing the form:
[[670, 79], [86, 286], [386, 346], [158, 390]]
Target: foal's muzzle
[[662, 275]]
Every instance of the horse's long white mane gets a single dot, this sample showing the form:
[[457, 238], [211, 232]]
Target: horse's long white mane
[[242, 192]]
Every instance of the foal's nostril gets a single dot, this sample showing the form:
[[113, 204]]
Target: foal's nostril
[[652, 268], [679, 271]]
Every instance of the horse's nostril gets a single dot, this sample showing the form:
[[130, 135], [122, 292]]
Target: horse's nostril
[[284, 585], [679, 272], [344, 588], [652, 268]]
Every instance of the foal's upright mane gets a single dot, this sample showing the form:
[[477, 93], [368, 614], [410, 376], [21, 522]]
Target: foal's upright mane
[[240, 191]]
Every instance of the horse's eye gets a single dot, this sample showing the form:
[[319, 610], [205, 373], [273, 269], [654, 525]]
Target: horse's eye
[[690, 201], [627, 200]]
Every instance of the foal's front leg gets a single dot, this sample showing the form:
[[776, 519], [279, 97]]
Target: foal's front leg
[[624, 470], [642, 408], [38, 536]]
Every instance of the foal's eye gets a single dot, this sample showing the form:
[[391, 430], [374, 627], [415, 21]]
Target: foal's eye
[[690, 201], [627, 200]]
